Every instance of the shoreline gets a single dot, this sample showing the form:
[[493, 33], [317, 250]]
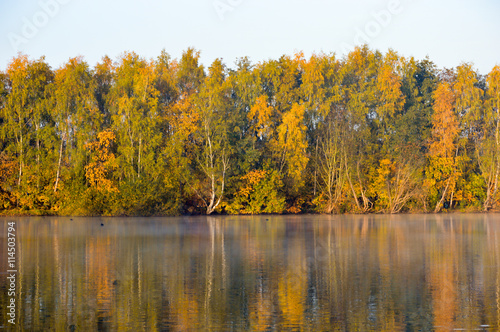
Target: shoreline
[[2, 215]]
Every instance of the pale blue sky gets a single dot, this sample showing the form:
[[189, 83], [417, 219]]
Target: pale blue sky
[[448, 31]]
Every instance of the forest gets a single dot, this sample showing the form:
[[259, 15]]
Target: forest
[[369, 132]]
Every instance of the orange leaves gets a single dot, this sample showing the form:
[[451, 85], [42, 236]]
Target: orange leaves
[[319, 88], [103, 162], [442, 171], [252, 178], [21, 87], [292, 143], [7, 168], [312, 73], [18, 70], [184, 118], [260, 117], [444, 122], [7, 171]]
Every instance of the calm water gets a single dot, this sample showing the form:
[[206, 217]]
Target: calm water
[[309, 273]]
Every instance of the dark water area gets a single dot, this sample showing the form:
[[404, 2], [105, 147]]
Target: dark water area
[[261, 273]]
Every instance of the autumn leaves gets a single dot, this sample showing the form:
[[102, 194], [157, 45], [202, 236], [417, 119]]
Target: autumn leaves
[[369, 132]]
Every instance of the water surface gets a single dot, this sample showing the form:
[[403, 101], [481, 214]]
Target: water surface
[[318, 273]]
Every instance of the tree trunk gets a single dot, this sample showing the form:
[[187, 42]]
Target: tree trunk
[[59, 165], [139, 158], [37, 158], [21, 159], [366, 201], [355, 196], [315, 169], [439, 204]]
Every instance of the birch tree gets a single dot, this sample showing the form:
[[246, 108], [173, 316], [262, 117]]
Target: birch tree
[[214, 128], [75, 112], [442, 171], [489, 149]]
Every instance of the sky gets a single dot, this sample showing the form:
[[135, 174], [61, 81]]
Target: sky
[[450, 32]]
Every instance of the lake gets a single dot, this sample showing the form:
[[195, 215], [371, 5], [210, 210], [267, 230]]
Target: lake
[[260, 273]]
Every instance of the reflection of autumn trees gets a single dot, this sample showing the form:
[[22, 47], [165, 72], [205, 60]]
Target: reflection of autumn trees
[[443, 279], [292, 282], [491, 272], [318, 273], [457, 262], [100, 271]]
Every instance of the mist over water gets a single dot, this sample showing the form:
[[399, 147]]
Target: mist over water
[[312, 272]]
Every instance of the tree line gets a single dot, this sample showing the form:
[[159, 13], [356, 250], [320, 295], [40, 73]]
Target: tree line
[[368, 132]]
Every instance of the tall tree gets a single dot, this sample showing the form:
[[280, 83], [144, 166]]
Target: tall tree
[[442, 170], [41, 77], [134, 108], [468, 101], [214, 129], [244, 85], [359, 75], [76, 113], [26, 121], [190, 74], [469, 107], [290, 146], [395, 178], [18, 113], [321, 95], [104, 73], [489, 149], [331, 166]]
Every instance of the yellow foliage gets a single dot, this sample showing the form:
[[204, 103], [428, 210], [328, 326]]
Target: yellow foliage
[[444, 122], [391, 96], [259, 194], [292, 290], [252, 178], [294, 209], [7, 168], [312, 74], [292, 143], [183, 118], [260, 116], [103, 163]]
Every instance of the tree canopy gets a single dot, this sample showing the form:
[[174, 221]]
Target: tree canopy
[[367, 132]]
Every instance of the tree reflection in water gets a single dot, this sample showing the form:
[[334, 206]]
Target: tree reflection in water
[[405, 272]]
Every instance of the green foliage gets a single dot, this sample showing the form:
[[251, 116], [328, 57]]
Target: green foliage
[[260, 193], [369, 132]]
